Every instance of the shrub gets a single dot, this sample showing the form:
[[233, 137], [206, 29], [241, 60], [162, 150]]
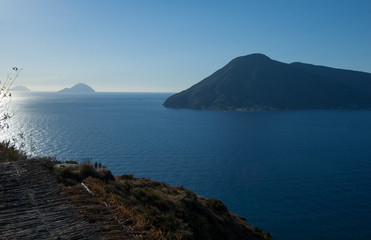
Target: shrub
[[120, 189], [70, 176], [71, 162], [105, 175], [216, 205], [9, 153], [48, 162], [145, 195], [127, 177], [87, 170]]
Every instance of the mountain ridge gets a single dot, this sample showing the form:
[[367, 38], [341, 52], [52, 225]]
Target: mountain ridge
[[256, 82]]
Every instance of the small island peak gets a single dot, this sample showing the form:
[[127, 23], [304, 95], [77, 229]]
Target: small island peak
[[20, 89], [78, 88]]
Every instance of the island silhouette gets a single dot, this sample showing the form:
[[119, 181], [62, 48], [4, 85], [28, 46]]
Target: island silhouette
[[256, 82], [20, 89], [78, 88]]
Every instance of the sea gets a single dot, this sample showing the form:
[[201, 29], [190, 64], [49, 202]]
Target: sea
[[301, 175]]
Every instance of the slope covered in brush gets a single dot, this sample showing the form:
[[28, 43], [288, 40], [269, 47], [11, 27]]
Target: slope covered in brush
[[120, 207]]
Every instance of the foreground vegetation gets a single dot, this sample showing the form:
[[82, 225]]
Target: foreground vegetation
[[149, 209]]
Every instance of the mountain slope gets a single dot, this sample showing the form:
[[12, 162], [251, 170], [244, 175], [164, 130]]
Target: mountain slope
[[256, 82], [104, 206]]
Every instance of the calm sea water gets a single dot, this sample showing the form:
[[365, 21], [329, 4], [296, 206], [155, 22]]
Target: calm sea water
[[301, 175]]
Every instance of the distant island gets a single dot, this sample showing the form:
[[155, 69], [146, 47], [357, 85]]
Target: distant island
[[256, 82], [78, 88], [20, 89]]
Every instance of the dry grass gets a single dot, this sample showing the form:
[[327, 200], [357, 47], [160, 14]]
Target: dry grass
[[126, 207], [109, 216]]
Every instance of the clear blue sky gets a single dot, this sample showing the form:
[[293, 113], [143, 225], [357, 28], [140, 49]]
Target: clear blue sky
[[167, 46]]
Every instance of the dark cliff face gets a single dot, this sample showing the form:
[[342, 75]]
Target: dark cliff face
[[256, 82]]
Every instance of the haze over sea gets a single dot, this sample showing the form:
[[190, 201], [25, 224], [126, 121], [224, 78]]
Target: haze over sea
[[301, 175]]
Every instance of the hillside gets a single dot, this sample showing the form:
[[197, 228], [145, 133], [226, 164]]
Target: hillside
[[256, 82], [78, 88], [46, 199]]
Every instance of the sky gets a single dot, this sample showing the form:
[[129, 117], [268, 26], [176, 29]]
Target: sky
[[167, 46]]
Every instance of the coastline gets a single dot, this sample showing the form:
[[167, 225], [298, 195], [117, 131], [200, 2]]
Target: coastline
[[107, 206]]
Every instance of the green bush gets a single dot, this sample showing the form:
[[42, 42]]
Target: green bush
[[120, 189], [70, 176], [87, 170], [105, 175], [9, 153]]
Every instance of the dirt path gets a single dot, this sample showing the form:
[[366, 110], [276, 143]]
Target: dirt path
[[33, 207]]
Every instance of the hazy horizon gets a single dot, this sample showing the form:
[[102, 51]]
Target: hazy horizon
[[56, 91]]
